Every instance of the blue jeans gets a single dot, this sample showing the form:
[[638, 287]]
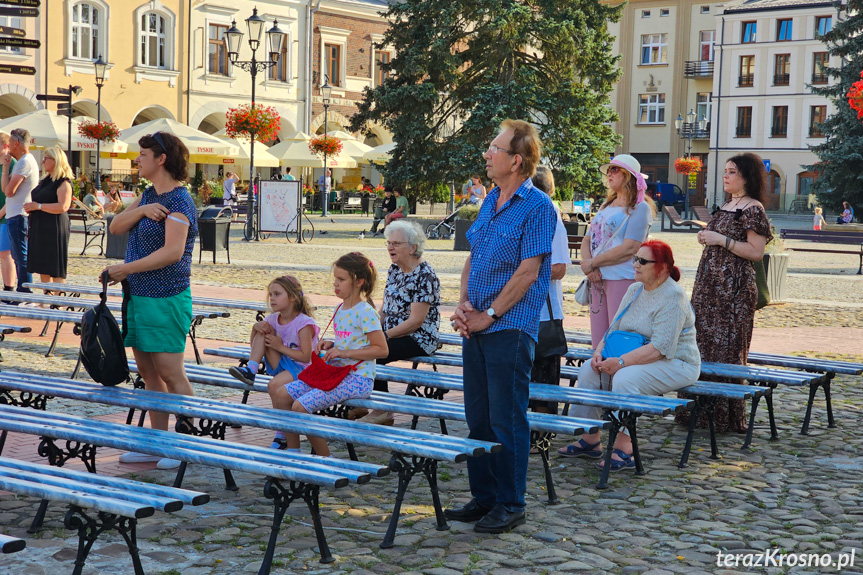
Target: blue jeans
[[18, 246], [496, 385]]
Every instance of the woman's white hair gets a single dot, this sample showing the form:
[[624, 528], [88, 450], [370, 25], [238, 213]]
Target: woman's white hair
[[413, 234]]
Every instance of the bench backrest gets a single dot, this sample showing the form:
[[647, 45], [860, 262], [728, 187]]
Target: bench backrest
[[850, 237], [673, 214], [702, 213]]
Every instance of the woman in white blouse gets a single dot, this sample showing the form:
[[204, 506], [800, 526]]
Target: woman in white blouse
[[616, 233], [659, 311]]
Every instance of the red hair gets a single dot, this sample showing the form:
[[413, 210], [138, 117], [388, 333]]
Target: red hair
[[663, 256]]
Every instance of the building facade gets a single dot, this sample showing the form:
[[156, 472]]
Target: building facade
[[667, 60], [769, 55]]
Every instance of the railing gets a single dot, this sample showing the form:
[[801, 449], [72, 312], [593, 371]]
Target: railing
[[781, 79], [746, 80], [819, 78], [696, 133], [698, 68]]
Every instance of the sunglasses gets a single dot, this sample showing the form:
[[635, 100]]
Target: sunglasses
[[642, 261], [613, 170]]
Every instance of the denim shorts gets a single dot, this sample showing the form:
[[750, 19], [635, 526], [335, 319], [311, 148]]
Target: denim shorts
[[5, 243], [285, 364]]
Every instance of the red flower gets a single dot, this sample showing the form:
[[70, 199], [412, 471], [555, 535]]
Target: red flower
[[688, 165], [260, 122], [855, 96], [104, 131], [329, 145]]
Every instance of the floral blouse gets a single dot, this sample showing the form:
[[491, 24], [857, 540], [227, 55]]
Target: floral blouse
[[419, 286]]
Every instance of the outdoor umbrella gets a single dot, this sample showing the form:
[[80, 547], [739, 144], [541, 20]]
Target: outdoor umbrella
[[47, 130], [203, 148], [350, 145], [263, 158], [295, 152], [380, 154]]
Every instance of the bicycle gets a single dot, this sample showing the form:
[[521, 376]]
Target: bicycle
[[308, 229], [250, 229]]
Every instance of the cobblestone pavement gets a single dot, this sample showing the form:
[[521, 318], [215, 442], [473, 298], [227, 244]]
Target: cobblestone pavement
[[800, 494]]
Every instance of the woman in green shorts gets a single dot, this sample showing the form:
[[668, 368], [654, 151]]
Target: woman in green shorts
[[162, 225]]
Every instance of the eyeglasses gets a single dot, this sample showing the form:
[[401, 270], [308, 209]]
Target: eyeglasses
[[495, 149], [395, 244], [642, 261]]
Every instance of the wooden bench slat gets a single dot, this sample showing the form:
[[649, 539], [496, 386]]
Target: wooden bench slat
[[10, 544], [73, 497]]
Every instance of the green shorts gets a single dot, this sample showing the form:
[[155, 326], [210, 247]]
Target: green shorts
[[159, 324]]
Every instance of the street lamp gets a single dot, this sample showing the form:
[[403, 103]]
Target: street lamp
[[101, 67], [234, 38], [690, 121], [326, 94]]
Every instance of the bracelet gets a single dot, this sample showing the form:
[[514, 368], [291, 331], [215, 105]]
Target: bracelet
[[40, 207], [727, 243]]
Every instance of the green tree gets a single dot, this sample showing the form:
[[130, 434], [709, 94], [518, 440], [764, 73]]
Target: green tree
[[840, 165], [463, 66]]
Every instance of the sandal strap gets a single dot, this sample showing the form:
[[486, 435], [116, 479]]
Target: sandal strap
[[588, 446], [625, 457]]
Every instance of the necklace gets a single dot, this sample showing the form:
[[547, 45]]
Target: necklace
[[737, 199]]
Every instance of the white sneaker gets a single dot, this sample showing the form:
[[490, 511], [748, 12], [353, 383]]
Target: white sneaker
[[166, 463], [135, 457]]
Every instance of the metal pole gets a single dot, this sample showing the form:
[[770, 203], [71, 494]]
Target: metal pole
[[300, 203], [325, 197], [98, 142], [257, 204], [69, 132]]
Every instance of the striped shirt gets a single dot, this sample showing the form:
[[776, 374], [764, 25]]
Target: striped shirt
[[522, 229]]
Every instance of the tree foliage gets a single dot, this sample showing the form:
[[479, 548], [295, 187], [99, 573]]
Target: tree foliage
[[462, 66], [840, 165]]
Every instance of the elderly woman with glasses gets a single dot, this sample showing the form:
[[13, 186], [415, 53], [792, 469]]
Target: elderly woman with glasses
[[655, 308], [410, 314], [616, 232]]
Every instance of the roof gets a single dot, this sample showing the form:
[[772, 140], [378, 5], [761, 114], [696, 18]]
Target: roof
[[765, 5]]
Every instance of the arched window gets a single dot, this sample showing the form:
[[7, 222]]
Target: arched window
[[87, 22], [153, 38]]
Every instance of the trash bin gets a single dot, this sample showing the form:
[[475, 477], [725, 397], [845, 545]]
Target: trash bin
[[214, 227], [365, 204]]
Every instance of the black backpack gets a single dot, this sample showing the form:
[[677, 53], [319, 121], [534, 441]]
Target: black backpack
[[102, 350]]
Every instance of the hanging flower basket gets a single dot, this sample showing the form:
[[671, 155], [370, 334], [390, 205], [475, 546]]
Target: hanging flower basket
[[855, 97], [329, 145], [688, 165], [261, 123], [100, 131]]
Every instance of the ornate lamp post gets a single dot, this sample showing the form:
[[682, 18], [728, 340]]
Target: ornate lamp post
[[101, 67], [326, 94], [234, 37], [690, 128]]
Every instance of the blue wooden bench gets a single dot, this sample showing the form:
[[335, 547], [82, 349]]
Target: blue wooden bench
[[543, 426], [118, 503], [621, 411], [11, 544], [412, 451], [259, 307]]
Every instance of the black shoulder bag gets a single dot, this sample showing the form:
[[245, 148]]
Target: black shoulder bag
[[103, 352]]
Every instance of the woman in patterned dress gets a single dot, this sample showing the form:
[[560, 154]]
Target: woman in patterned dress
[[725, 294], [410, 314]]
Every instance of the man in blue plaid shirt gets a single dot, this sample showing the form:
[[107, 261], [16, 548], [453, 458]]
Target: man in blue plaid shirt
[[503, 286]]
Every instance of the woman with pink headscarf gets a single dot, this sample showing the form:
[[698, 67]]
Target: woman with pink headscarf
[[616, 232]]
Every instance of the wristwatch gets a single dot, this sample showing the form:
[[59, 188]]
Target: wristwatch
[[620, 361], [491, 314]]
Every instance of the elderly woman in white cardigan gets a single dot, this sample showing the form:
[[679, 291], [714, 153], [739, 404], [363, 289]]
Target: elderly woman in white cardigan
[[656, 308]]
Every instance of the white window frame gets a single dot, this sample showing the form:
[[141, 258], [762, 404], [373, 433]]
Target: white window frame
[[702, 107], [663, 12], [657, 46], [702, 43], [338, 37], [376, 39], [209, 73], [102, 42], [705, 9], [170, 18], [12, 22], [645, 13], [651, 104]]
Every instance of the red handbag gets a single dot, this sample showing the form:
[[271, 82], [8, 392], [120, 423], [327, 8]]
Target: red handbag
[[321, 375]]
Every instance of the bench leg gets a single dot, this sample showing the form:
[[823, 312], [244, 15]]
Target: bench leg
[[829, 402], [193, 336], [58, 457], [629, 420], [542, 441], [612, 436], [813, 390], [282, 499], [36, 525], [687, 447], [89, 530], [711, 425], [50, 351], [752, 410], [406, 470], [768, 399]]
